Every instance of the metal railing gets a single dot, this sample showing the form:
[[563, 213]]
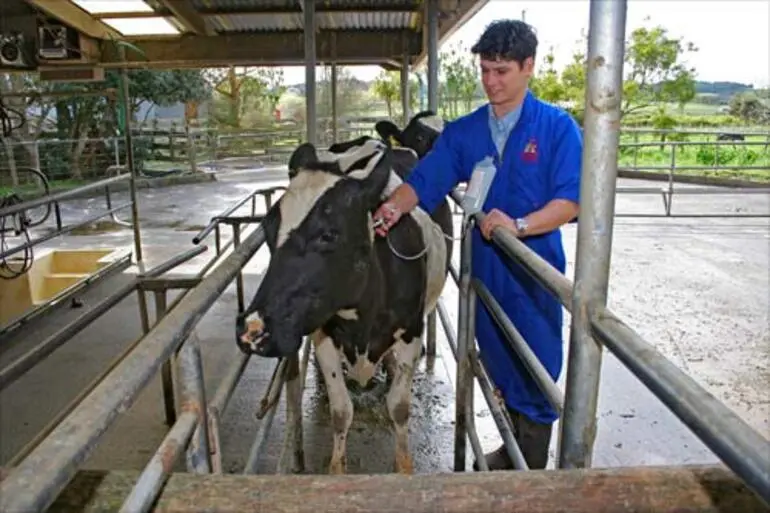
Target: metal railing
[[54, 200], [119, 385], [719, 187], [48, 463]]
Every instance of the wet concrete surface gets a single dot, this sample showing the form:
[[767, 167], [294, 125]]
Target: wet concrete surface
[[697, 289]]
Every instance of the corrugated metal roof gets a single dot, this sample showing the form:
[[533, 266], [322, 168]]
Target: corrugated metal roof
[[364, 20], [255, 22], [326, 21], [243, 5]]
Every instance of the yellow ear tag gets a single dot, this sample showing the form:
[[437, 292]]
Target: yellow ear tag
[[393, 142]]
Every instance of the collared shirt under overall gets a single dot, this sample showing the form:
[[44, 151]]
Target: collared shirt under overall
[[537, 150]]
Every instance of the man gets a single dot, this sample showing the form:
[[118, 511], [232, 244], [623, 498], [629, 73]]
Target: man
[[536, 148]]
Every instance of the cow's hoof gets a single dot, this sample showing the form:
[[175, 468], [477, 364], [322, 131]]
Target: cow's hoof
[[404, 464]]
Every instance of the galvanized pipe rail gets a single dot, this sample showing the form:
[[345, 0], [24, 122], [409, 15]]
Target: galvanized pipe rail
[[35, 483], [61, 196], [24, 363], [739, 446]]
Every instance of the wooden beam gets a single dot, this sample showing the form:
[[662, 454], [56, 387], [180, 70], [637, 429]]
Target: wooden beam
[[694, 489], [190, 18], [271, 49], [463, 10], [267, 13], [72, 15]]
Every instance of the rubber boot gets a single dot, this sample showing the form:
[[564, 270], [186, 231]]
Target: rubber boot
[[533, 439]]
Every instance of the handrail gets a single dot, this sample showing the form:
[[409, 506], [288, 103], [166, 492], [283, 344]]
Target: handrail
[[217, 219], [60, 196], [64, 229], [28, 360], [36, 482], [731, 438]]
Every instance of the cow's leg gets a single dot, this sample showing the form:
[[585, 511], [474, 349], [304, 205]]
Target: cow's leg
[[292, 457], [340, 404], [399, 399]]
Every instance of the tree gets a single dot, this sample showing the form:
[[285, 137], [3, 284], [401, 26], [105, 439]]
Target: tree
[[654, 72], [750, 108], [246, 90], [387, 87], [461, 81], [79, 118], [546, 85]]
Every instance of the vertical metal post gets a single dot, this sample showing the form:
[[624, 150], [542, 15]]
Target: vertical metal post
[[594, 244], [130, 161], [310, 63], [432, 16], [671, 171], [239, 276], [166, 372], [430, 349], [333, 87], [465, 338], [405, 106], [193, 398]]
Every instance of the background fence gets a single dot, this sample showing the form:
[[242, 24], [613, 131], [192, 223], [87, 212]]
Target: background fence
[[723, 154]]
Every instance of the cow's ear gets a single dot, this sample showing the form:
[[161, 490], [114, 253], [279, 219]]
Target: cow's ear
[[303, 157], [388, 129], [270, 223], [345, 146], [373, 185]]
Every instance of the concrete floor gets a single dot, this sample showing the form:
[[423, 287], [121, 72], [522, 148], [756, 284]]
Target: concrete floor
[[697, 289]]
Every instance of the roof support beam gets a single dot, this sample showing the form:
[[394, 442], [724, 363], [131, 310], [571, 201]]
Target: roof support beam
[[210, 13], [72, 15], [266, 49], [459, 11], [188, 16]]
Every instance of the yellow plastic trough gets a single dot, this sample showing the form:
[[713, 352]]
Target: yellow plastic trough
[[53, 272]]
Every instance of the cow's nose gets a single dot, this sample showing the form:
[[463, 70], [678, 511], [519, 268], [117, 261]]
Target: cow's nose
[[250, 334]]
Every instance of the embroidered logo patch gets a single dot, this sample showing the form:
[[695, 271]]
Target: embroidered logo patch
[[530, 152]]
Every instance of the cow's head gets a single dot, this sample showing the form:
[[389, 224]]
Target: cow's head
[[323, 247], [419, 134]]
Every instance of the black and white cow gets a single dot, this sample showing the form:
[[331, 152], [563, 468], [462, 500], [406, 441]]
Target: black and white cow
[[330, 277], [409, 145]]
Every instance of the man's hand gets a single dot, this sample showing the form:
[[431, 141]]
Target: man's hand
[[385, 217], [494, 219], [401, 201]]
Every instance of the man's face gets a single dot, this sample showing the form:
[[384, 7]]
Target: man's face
[[503, 80]]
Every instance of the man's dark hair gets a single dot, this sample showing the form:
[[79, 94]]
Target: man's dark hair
[[509, 40]]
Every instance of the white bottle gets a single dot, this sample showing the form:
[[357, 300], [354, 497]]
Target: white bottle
[[478, 186]]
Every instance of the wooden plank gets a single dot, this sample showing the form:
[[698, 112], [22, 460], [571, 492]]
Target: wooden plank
[[688, 489], [75, 17], [268, 48], [184, 11]]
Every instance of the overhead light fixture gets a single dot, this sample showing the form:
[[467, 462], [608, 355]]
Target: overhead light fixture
[[142, 26], [110, 6]]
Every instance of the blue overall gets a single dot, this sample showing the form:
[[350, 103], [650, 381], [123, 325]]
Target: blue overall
[[540, 162]]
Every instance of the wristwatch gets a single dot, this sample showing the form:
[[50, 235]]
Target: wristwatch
[[521, 225]]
